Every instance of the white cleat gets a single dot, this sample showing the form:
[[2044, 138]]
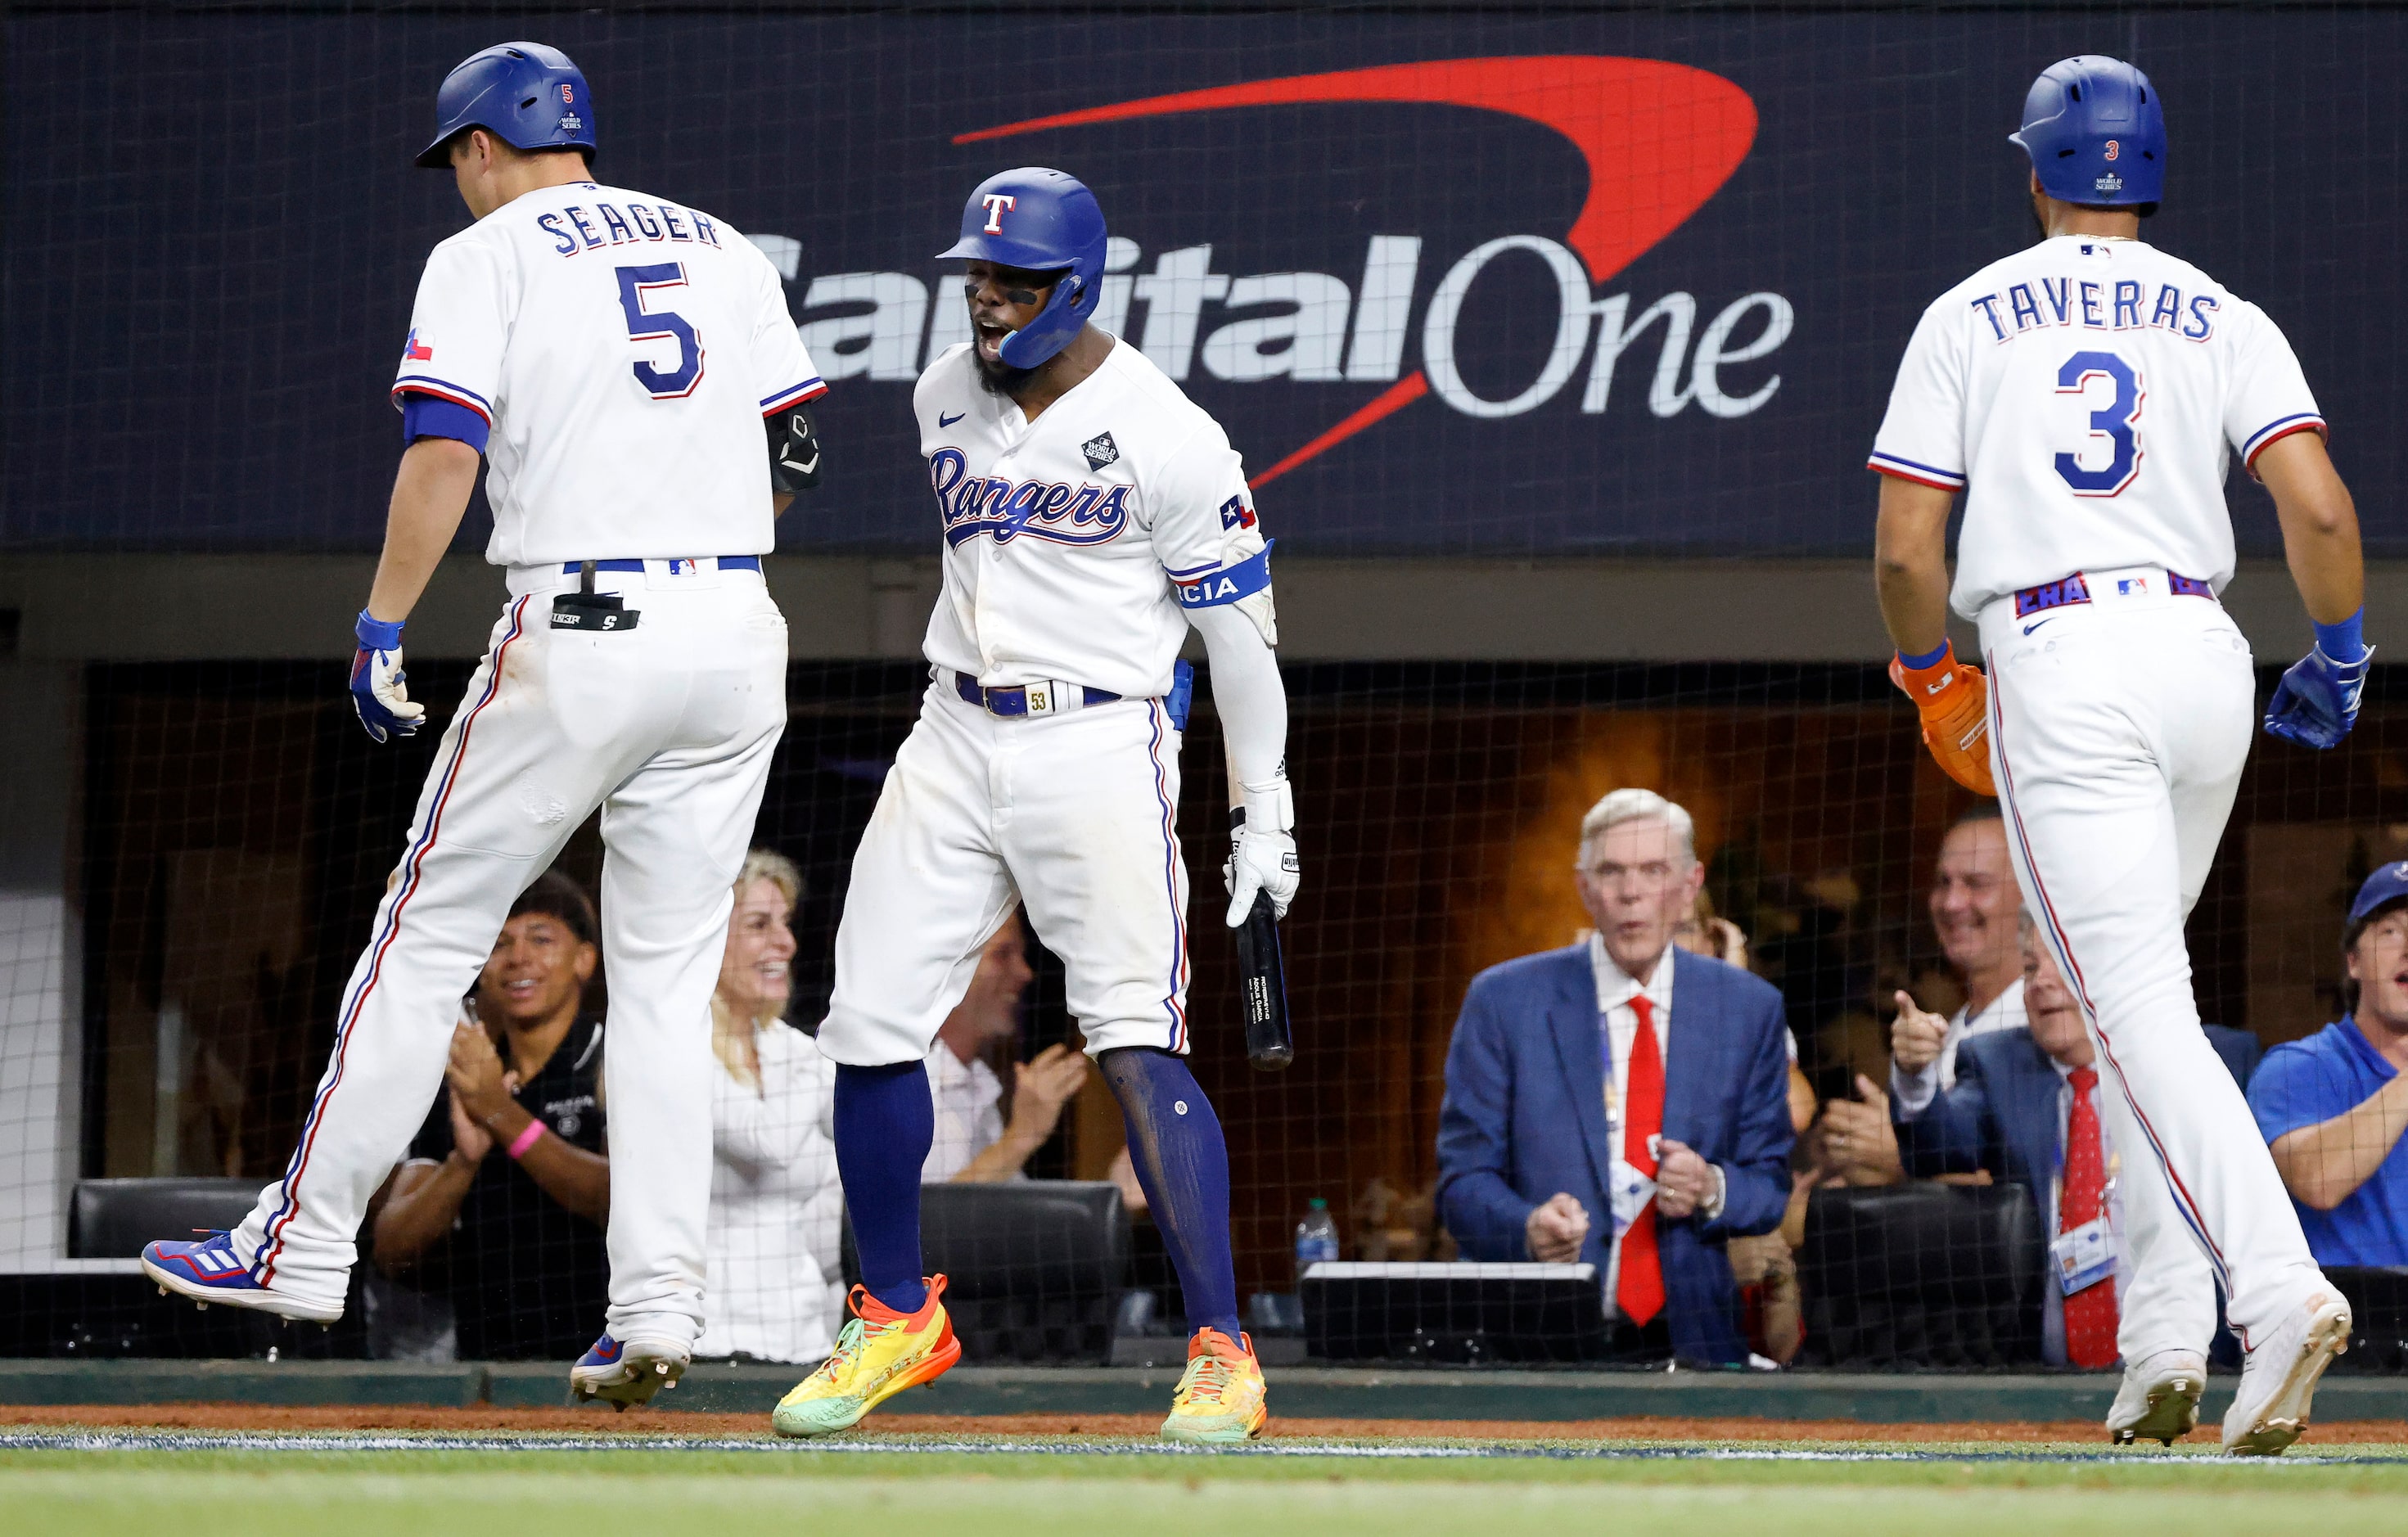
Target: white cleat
[[2160, 1399], [2279, 1379], [625, 1372]]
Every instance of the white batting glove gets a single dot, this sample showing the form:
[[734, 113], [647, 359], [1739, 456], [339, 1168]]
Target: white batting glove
[[1262, 853], [377, 692]]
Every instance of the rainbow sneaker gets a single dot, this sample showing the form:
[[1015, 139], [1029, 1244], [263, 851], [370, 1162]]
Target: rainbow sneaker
[[1220, 1398], [880, 1353]]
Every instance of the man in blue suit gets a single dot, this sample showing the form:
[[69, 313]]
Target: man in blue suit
[[1623, 1102], [2121, 1279]]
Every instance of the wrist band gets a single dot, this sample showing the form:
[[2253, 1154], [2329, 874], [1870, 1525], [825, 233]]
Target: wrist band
[[1931, 658], [2343, 642], [524, 1140], [378, 634]]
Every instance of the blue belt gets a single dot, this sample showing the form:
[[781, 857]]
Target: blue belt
[[2073, 589], [1013, 701], [727, 563]]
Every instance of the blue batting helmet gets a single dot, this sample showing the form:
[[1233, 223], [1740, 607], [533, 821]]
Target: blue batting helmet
[[1044, 220], [2096, 134], [528, 96]]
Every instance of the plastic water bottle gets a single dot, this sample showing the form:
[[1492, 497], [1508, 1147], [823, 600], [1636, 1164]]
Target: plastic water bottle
[[1316, 1236]]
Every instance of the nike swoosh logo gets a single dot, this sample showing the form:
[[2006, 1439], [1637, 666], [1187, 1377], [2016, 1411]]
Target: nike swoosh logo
[[2035, 624], [944, 421]]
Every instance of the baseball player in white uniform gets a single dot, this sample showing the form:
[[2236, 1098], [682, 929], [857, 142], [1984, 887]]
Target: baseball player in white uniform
[[2115, 716], [1091, 514], [617, 359]]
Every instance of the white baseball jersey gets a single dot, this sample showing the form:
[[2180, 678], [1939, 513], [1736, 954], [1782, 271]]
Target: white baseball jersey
[[624, 349], [2085, 394], [1067, 539]]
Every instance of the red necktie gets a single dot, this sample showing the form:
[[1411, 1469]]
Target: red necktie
[[1639, 1290], [2090, 1313]]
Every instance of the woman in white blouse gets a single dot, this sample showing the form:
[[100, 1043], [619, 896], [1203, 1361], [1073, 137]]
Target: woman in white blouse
[[775, 1292]]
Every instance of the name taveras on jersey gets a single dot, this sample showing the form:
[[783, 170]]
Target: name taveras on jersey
[[2095, 307], [1316, 328]]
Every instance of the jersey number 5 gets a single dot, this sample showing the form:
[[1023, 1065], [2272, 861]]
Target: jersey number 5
[[2112, 422], [659, 325]]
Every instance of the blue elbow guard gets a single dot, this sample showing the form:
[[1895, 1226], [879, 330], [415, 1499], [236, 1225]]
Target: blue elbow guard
[[1229, 584]]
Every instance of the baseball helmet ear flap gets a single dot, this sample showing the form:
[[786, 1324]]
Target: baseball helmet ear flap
[[1042, 221]]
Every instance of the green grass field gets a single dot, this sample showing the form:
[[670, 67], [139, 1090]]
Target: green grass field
[[538, 1489]]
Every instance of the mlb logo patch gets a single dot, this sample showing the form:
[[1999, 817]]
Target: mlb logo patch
[[2131, 586], [683, 565], [1100, 451]]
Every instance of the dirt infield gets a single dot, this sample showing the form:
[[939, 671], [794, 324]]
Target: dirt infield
[[564, 1421]]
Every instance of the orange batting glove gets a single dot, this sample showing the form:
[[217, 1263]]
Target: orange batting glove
[[1954, 703]]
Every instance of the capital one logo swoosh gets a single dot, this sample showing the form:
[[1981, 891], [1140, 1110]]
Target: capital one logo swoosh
[[1659, 139]]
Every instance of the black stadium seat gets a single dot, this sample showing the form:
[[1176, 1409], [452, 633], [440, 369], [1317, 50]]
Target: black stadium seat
[[113, 1219], [1034, 1268], [1921, 1276]]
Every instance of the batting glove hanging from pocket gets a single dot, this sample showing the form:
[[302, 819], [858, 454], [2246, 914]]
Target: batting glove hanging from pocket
[[377, 694], [1954, 700]]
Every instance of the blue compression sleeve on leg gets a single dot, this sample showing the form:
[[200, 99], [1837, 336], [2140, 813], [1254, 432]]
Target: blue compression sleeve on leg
[[1174, 1141], [885, 1123]]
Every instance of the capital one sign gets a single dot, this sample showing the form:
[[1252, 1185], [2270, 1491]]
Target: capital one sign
[[1658, 140]]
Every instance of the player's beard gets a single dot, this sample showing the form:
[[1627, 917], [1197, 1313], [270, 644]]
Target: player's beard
[[1002, 379]]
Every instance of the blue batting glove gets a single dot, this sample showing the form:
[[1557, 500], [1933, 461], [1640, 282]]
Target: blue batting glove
[[2316, 702], [384, 706]]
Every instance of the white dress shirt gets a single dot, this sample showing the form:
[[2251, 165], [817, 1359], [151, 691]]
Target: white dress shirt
[[970, 1112], [775, 1289], [1619, 1021], [1911, 1093]]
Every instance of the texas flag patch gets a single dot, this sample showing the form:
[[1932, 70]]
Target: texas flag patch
[[414, 351]]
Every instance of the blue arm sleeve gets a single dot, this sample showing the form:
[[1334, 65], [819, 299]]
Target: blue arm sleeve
[[1756, 1177], [424, 416], [1475, 1198]]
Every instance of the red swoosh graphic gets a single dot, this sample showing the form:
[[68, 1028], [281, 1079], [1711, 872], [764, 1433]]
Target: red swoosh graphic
[[1659, 140]]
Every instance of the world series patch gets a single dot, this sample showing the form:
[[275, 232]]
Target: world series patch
[[1100, 451]]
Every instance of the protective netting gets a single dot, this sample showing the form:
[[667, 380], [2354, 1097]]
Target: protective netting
[[1553, 341]]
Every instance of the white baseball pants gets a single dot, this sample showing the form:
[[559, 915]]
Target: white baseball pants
[[2118, 731], [1073, 816], [668, 728]]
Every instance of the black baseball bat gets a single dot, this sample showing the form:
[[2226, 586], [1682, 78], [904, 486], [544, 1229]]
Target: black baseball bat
[[1263, 977]]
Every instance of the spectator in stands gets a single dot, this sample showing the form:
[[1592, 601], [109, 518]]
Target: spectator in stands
[[976, 1144], [775, 1290], [2332, 1106], [2029, 1106], [1973, 905], [509, 1184], [1623, 1057]]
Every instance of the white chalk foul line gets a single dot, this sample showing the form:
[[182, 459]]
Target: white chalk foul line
[[175, 1441]]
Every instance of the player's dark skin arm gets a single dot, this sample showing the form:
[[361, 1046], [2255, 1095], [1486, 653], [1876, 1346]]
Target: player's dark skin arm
[[430, 495], [2319, 525], [1910, 563]]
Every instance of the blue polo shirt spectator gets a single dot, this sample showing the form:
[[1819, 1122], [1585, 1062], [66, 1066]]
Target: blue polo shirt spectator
[[2333, 1107]]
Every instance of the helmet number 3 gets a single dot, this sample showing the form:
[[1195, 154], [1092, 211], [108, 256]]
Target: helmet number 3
[[2091, 375], [637, 283]]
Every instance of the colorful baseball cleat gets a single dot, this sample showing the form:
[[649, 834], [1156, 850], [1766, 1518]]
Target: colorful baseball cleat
[[1220, 1398], [625, 1372], [2279, 1379], [2159, 1399], [208, 1270], [880, 1353]]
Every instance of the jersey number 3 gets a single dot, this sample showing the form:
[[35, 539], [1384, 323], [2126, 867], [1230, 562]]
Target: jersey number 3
[[643, 324], [2111, 422]]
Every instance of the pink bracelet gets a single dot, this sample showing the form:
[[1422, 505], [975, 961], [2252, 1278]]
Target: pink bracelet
[[524, 1140]]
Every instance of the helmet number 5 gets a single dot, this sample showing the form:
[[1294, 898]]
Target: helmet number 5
[[2082, 374], [635, 283]]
